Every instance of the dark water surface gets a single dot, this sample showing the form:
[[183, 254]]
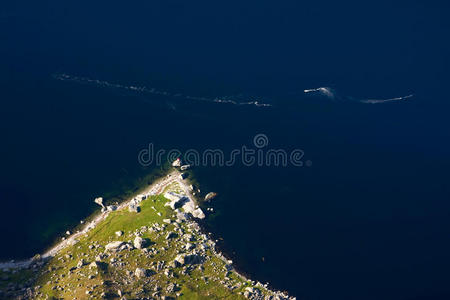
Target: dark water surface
[[369, 219]]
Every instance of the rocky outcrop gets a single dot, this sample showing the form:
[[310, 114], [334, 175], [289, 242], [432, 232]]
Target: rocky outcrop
[[132, 207], [175, 199], [111, 207], [99, 201], [172, 196], [184, 202], [185, 167], [176, 163], [210, 196], [198, 213], [188, 259], [182, 217]]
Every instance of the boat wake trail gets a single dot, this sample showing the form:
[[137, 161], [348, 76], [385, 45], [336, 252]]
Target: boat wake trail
[[376, 101], [333, 95], [238, 100], [153, 91]]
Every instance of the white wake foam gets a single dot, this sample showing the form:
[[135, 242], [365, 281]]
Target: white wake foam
[[154, 91], [376, 101], [325, 91], [330, 93]]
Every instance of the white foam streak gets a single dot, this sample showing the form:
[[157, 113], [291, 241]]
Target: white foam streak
[[376, 101], [151, 90], [326, 91]]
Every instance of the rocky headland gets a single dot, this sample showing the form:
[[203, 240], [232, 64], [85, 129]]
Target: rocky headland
[[150, 247]]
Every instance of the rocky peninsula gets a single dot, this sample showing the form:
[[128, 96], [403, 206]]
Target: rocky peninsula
[[149, 247]]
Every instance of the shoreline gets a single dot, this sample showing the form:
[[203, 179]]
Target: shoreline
[[154, 188]]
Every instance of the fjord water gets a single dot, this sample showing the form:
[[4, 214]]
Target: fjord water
[[368, 220]]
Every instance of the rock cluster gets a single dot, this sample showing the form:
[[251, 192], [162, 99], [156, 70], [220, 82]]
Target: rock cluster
[[117, 246], [178, 201]]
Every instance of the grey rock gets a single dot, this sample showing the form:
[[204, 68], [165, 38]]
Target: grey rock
[[111, 207], [198, 213], [210, 196], [176, 163], [134, 208], [188, 259], [185, 167], [114, 246], [140, 272], [139, 242]]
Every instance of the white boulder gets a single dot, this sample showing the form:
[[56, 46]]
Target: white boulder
[[139, 242], [198, 213], [176, 163], [140, 273], [114, 246], [99, 201]]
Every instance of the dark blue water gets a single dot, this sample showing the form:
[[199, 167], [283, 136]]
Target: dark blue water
[[368, 220]]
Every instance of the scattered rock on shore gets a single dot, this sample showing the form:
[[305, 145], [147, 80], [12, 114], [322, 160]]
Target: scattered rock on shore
[[210, 196], [198, 213], [111, 207], [134, 208], [114, 246], [185, 167]]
